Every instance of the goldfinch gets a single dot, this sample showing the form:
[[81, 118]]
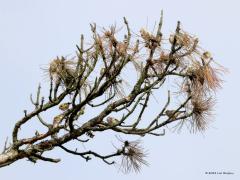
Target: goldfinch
[[112, 121], [206, 55], [64, 106], [57, 120], [170, 113], [81, 112]]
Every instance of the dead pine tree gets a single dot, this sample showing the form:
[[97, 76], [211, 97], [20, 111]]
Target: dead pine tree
[[93, 80]]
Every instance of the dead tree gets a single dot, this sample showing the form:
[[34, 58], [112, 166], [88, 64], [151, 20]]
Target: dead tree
[[92, 79]]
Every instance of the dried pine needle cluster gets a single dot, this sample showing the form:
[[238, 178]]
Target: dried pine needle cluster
[[61, 70], [133, 156], [202, 112]]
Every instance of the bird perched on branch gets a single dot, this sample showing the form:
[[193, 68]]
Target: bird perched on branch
[[102, 71], [113, 121], [57, 120], [81, 112], [64, 106], [173, 114], [206, 55]]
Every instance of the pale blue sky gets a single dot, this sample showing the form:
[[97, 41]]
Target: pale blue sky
[[34, 31]]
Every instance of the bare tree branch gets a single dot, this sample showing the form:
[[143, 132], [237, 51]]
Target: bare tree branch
[[94, 80]]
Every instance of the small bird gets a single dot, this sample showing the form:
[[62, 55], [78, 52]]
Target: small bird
[[64, 106], [102, 71], [81, 112], [112, 121], [57, 120], [170, 113], [206, 55]]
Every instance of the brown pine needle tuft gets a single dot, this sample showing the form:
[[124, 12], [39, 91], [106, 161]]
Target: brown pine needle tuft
[[62, 70], [202, 113], [133, 157], [205, 78], [212, 78]]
